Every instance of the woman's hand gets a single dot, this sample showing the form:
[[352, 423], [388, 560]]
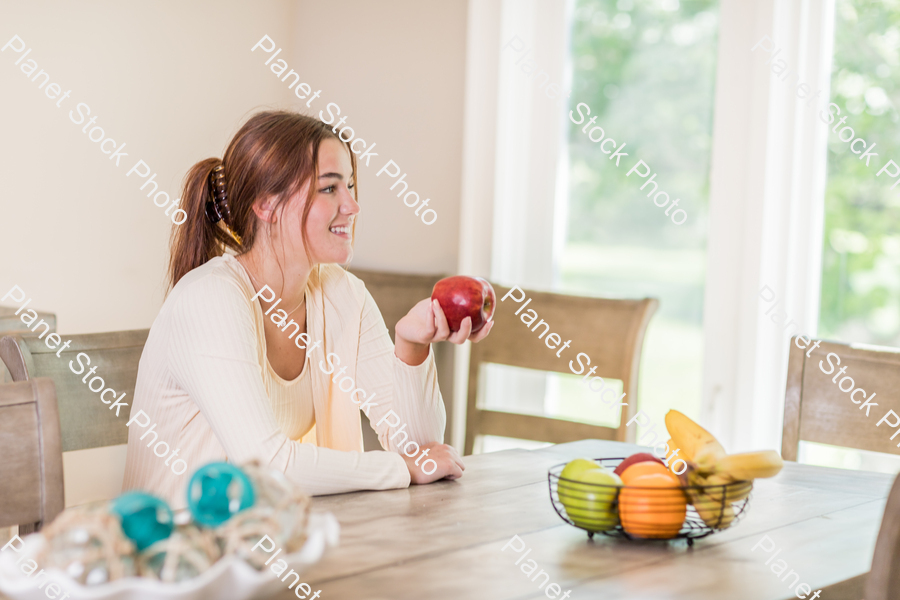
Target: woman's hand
[[425, 323], [449, 464]]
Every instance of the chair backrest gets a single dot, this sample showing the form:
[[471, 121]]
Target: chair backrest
[[31, 467], [610, 332], [884, 578], [86, 422], [10, 324], [396, 293], [816, 409]]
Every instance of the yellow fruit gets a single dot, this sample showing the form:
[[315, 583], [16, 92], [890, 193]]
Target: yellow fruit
[[750, 465], [695, 442], [671, 447], [714, 513], [707, 501], [733, 491]]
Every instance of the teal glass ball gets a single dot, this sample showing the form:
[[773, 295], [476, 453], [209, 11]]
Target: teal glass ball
[[217, 492], [146, 519]]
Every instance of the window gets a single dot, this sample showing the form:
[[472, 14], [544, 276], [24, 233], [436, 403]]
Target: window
[[860, 294], [860, 298], [646, 70]]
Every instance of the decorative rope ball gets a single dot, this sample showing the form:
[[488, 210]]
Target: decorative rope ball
[[187, 553], [88, 544]]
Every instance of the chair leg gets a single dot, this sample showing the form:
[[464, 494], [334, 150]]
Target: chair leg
[[470, 442], [28, 529]]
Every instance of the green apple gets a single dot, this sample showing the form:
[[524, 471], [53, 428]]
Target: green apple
[[588, 495], [576, 467]]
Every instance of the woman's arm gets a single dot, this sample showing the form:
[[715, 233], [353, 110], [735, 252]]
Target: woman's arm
[[213, 356], [411, 407]]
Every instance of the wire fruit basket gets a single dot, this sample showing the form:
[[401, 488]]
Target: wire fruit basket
[[689, 512]]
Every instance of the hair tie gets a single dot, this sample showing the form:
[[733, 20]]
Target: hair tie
[[217, 205]]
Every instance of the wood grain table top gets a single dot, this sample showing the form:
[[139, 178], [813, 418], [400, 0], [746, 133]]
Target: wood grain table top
[[445, 540]]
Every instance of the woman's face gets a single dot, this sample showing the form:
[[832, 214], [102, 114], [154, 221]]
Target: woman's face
[[330, 223]]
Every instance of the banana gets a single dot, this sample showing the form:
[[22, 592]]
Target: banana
[[715, 480], [749, 465], [715, 514], [670, 446], [696, 443], [734, 492], [706, 495]]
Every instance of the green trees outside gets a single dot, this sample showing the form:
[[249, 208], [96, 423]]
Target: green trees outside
[[647, 70], [860, 297]]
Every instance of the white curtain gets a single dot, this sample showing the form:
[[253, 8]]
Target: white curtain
[[521, 185], [766, 210]]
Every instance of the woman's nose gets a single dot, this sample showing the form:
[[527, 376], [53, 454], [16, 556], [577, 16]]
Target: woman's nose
[[349, 205]]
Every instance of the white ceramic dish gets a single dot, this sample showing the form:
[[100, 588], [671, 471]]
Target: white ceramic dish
[[229, 578]]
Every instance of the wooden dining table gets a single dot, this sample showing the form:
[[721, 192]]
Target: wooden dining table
[[446, 540]]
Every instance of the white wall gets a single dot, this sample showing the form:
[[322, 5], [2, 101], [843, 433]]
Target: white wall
[[174, 81]]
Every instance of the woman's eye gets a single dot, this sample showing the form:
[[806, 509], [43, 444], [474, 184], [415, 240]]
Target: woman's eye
[[327, 190]]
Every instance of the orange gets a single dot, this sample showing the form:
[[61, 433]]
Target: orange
[[652, 506], [645, 468]]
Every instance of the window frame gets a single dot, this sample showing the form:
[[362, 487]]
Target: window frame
[[767, 183]]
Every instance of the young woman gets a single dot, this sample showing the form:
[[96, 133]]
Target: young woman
[[230, 373]]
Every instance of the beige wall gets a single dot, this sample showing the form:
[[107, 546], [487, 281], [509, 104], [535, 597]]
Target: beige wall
[[397, 69], [174, 80], [166, 78]]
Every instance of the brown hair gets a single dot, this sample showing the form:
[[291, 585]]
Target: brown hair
[[274, 154]]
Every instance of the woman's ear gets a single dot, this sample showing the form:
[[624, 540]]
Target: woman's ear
[[265, 209]]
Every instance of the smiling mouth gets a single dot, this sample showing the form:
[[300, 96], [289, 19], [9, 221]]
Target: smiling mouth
[[340, 230]]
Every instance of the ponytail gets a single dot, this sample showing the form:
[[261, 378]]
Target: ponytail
[[198, 239]]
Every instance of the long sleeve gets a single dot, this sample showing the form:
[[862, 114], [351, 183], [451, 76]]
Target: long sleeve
[[411, 392], [214, 357]]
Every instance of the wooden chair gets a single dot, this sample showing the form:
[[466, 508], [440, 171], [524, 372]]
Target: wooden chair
[[31, 469], [611, 332], [10, 323], [883, 581], [816, 410], [85, 421], [395, 294]]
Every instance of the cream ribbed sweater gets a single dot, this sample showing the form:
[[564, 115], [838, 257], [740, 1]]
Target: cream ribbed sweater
[[206, 383]]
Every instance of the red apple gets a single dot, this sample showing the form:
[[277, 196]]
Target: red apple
[[635, 458], [462, 297]]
